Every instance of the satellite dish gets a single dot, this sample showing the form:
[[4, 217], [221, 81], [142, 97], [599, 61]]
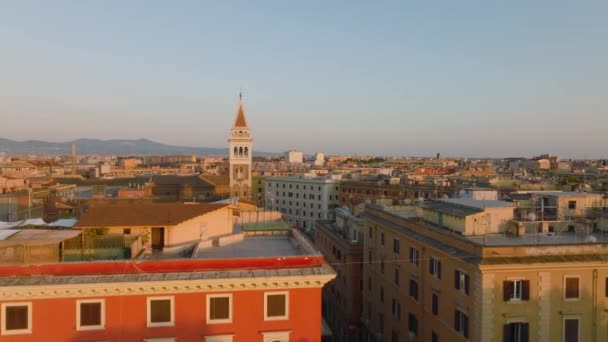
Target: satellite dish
[[531, 217]]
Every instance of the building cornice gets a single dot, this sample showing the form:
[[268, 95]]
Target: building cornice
[[50, 291]]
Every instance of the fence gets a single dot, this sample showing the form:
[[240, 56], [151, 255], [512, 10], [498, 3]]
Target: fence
[[102, 247]]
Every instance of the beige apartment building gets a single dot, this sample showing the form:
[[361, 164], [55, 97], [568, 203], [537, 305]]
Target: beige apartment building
[[425, 281]]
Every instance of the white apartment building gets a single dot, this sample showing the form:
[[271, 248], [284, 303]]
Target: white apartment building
[[294, 157], [303, 199]]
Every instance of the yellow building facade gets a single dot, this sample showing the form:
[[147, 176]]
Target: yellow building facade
[[423, 282]]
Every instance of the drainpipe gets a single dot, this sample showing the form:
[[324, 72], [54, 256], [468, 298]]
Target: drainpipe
[[594, 312]]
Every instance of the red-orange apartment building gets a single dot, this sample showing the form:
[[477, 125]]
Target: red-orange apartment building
[[262, 289]]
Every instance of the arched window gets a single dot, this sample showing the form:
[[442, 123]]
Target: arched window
[[240, 151], [246, 151], [236, 151]]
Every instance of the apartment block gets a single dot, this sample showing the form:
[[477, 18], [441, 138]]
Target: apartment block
[[303, 199], [430, 280]]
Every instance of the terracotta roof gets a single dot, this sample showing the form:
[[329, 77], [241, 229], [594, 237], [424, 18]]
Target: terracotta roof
[[240, 117], [158, 214], [217, 179]]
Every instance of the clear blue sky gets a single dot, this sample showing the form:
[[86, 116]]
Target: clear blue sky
[[464, 78]]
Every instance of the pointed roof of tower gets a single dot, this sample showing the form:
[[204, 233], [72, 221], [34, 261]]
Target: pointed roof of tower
[[240, 120]]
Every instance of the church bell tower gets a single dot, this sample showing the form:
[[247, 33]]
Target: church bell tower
[[240, 144]]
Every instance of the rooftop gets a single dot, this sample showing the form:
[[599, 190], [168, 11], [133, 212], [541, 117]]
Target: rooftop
[[477, 204], [252, 247], [144, 214], [563, 238]]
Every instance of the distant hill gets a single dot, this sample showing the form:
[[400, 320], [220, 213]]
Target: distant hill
[[105, 147]]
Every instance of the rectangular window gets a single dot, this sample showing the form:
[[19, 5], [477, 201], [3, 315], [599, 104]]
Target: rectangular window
[[572, 288], [160, 312], [461, 323], [396, 309], [516, 332], [435, 267], [396, 276], [382, 268], [413, 289], [414, 256], [126, 231], [16, 318], [412, 324], [461, 281], [571, 204], [381, 294], [571, 333], [276, 305], [219, 308], [516, 290], [435, 304], [382, 238], [90, 314], [434, 337], [396, 246]]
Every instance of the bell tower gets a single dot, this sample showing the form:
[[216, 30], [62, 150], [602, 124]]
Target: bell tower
[[240, 149]]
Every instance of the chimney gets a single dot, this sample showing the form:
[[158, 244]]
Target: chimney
[[73, 159]]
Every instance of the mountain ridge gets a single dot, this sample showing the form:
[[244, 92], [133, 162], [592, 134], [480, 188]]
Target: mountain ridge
[[120, 147]]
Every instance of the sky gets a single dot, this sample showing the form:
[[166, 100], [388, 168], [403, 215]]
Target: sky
[[463, 78]]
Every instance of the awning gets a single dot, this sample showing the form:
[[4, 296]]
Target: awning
[[7, 225], [63, 223], [33, 222]]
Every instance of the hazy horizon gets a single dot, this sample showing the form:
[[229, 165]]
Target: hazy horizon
[[464, 79]]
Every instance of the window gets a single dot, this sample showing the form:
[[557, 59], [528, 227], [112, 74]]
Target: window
[[414, 289], [414, 256], [381, 322], [461, 282], [435, 267], [381, 294], [382, 238], [276, 305], [369, 257], [126, 231], [435, 304], [90, 314], [219, 308], [369, 283], [276, 336], [369, 232], [396, 246], [396, 309], [160, 312], [515, 332], [571, 288], [160, 339], [571, 333], [396, 276], [571, 204], [516, 290], [16, 318], [461, 323], [434, 337], [412, 324], [382, 271], [394, 336]]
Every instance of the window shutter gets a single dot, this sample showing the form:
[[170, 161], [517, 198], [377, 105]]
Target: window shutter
[[507, 290], [466, 325], [438, 269], [431, 265], [456, 279], [456, 320], [466, 284], [525, 287], [525, 331], [507, 334]]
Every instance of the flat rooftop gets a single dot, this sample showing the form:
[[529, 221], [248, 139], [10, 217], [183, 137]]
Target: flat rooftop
[[563, 238], [255, 246], [477, 204]]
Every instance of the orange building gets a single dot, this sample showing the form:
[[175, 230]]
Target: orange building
[[261, 295]]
